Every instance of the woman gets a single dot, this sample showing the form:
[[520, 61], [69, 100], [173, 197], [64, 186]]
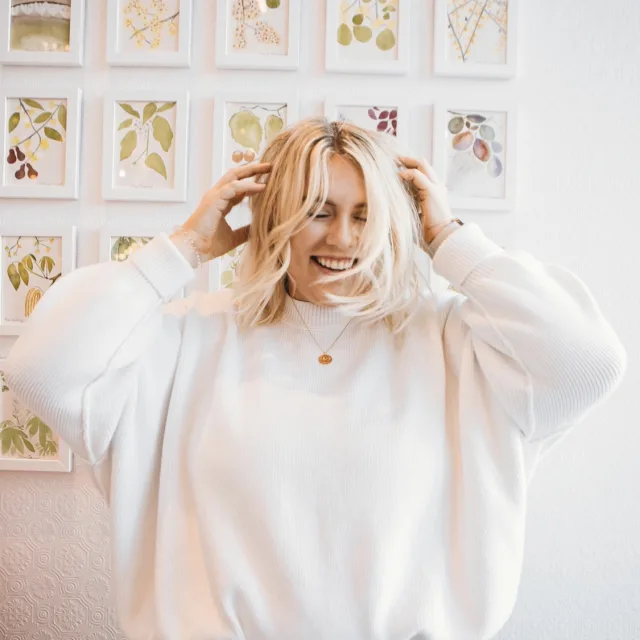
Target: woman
[[324, 452]]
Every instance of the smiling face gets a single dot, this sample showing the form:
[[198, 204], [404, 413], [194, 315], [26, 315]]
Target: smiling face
[[327, 244]]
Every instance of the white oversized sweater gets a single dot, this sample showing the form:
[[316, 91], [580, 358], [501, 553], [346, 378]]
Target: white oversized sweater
[[259, 495]]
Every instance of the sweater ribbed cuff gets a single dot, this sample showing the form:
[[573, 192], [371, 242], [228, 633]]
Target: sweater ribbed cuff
[[163, 266], [461, 251]]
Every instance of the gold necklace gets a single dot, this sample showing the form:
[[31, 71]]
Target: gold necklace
[[324, 358]]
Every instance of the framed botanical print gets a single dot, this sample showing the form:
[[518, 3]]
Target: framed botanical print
[[34, 257], [377, 113], [42, 33], [258, 34], [244, 124], [145, 146], [119, 241], [149, 33], [27, 443], [476, 39], [474, 152], [368, 36], [40, 142]]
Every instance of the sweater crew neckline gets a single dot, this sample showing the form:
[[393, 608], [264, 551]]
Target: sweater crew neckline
[[314, 315]]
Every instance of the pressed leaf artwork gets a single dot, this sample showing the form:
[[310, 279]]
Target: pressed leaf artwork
[[248, 129], [123, 246], [476, 153], [384, 119], [150, 25], [40, 26], [31, 265], [22, 434], [145, 155], [228, 265], [368, 29], [259, 26], [36, 150], [477, 31]]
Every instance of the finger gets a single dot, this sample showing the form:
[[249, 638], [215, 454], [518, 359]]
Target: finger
[[249, 170], [416, 178], [422, 165]]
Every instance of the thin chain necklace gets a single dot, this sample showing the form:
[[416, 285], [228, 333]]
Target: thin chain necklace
[[324, 358]]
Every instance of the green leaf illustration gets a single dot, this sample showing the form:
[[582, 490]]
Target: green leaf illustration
[[29, 446], [125, 123], [128, 145], [149, 109], [357, 19], [27, 261], [129, 109], [226, 278], [33, 425], [273, 126], [14, 121], [362, 33], [14, 276], [24, 274], [155, 162], [246, 129], [344, 35], [273, 4], [162, 132], [32, 103], [52, 134], [386, 40], [47, 264], [62, 116], [6, 443], [18, 443], [43, 117], [166, 106]]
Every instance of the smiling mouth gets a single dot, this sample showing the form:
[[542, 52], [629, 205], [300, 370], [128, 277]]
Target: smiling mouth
[[334, 264]]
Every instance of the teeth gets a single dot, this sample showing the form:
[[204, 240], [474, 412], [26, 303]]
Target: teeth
[[336, 265]]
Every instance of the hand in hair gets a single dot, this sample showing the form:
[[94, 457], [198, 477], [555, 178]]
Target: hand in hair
[[207, 224], [431, 193]]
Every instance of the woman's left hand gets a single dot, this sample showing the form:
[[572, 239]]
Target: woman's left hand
[[431, 193]]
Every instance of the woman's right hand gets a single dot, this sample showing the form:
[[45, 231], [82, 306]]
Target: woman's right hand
[[207, 225]]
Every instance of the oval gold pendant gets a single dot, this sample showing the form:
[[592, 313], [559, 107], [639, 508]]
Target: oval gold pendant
[[325, 358]]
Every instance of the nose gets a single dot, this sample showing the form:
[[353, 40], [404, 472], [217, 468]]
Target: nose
[[342, 233]]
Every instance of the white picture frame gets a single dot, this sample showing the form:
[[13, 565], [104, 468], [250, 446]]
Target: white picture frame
[[170, 146], [449, 39], [38, 269], [18, 416], [130, 233], [225, 104], [378, 103], [396, 62], [227, 37], [62, 106], [150, 54], [71, 57], [468, 187]]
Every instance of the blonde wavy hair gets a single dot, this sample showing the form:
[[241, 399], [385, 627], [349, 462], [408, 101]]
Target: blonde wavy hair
[[384, 283]]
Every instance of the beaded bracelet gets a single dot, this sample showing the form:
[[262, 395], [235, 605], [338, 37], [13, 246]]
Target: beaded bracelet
[[191, 241]]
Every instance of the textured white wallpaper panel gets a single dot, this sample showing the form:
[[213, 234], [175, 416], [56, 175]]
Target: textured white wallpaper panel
[[55, 573]]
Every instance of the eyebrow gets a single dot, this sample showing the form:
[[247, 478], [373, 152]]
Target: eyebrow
[[360, 205]]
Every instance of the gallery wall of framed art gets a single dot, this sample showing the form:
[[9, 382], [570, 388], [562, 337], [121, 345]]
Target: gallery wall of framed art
[[118, 115]]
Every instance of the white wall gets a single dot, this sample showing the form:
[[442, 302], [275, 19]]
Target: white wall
[[578, 92]]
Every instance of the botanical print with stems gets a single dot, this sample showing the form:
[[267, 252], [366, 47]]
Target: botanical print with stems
[[37, 141], [377, 118], [368, 29], [31, 265], [259, 26], [248, 128], [149, 25], [475, 153], [123, 246], [22, 434], [40, 26], [477, 31], [145, 155]]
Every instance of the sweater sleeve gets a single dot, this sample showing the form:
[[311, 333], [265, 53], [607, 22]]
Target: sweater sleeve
[[536, 332], [73, 365]]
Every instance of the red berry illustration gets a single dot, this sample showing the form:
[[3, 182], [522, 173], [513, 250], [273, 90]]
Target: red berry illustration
[[11, 158], [21, 155], [33, 174], [20, 173]]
